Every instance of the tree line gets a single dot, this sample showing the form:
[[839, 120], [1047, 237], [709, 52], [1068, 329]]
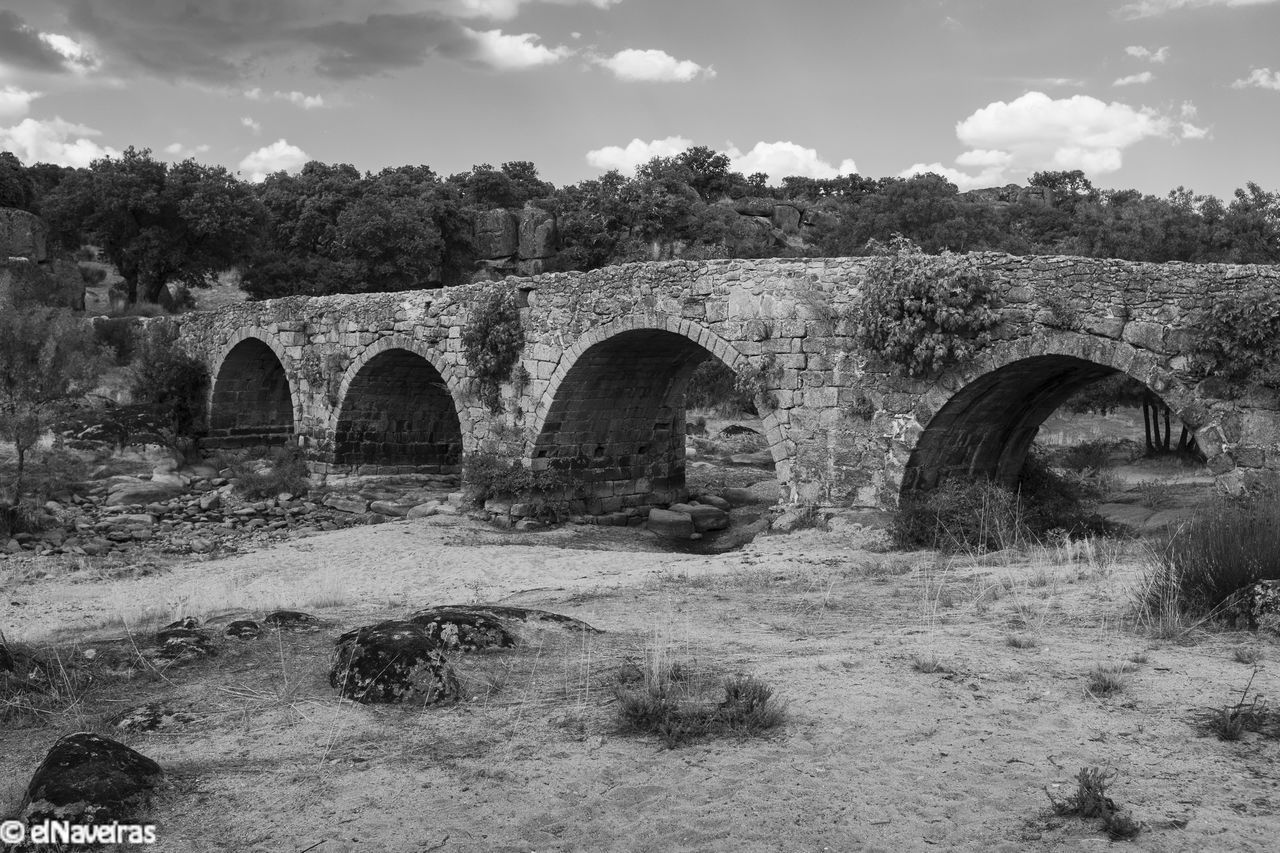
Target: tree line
[[331, 228]]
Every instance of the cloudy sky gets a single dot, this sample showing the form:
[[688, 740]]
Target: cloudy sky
[[1149, 94]]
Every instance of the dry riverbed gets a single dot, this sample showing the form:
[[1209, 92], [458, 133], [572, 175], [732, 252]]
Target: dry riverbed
[[930, 701]]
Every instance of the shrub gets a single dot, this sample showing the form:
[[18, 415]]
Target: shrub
[[1239, 339], [1088, 455], [923, 312], [286, 471], [119, 334], [485, 476], [1210, 563], [91, 274], [1090, 800], [962, 515], [492, 341]]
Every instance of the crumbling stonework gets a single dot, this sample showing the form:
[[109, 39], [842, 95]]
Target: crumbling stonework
[[599, 390]]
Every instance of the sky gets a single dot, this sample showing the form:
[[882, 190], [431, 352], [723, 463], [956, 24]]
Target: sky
[[1143, 94]]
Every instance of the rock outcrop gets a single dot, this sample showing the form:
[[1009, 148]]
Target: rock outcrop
[[87, 778], [395, 661]]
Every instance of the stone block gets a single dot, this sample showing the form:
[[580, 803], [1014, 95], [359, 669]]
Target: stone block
[[673, 525]]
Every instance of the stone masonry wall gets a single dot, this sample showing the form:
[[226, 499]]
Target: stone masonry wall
[[841, 428]]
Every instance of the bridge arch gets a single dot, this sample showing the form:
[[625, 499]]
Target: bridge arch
[[613, 409], [398, 412], [252, 399], [980, 421]]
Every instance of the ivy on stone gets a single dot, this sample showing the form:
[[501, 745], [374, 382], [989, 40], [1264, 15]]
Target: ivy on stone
[[923, 312], [492, 342], [1239, 339]]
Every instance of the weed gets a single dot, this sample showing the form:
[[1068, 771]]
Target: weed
[[1230, 722], [286, 471], [1021, 641], [1155, 494], [1108, 679], [1247, 654], [1087, 456], [1090, 800], [929, 664]]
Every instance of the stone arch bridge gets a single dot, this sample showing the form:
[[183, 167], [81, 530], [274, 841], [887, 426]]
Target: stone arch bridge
[[377, 383]]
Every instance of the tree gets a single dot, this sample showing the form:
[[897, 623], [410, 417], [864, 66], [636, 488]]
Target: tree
[[16, 189], [48, 359], [1121, 390], [158, 224]]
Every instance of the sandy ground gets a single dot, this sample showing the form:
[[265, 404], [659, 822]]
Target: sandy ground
[[876, 754]]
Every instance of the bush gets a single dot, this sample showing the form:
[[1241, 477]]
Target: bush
[[486, 476], [1209, 564], [922, 312], [961, 515], [285, 472], [92, 275], [1088, 455]]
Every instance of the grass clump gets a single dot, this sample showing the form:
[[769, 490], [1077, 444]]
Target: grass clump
[[1108, 679], [1217, 565], [1087, 456], [1090, 800], [669, 702]]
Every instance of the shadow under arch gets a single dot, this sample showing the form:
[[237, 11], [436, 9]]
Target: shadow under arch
[[613, 413], [986, 427], [396, 413], [252, 401]]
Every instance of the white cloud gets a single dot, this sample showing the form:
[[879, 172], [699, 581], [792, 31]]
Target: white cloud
[[636, 152], [1135, 79], [782, 159], [73, 53], [1151, 8], [15, 102], [298, 99], [250, 123], [507, 9], [1139, 52], [177, 149], [514, 51], [53, 141], [1259, 78], [653, 66], [279, 156], [1008, 141]]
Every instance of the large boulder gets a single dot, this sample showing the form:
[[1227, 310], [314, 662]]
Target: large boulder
[[394, 661], [23, 235], [463, 628], [87, 778], [497, 234], [292, 620], [538, 234], [786, 218], [673, 525]]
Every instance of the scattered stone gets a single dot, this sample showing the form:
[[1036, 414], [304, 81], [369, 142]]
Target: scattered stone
[[87, 778], [737, 429], [292, 620], [186, 623], [243, 629], [707, 518], [136, 492], [390, 508], [425, 510], [669, 523], [740, 497], [715, 501], [183, 644], [792, 519], [393, 661], [522, 614], [344, 503], [463, 628], [151, 717]]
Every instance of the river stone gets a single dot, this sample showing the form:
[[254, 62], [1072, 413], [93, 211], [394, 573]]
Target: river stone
[[292, 620], [243, 629], [395, 661], [463, 628], [87, 778], [674, 525], [706, 517]]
